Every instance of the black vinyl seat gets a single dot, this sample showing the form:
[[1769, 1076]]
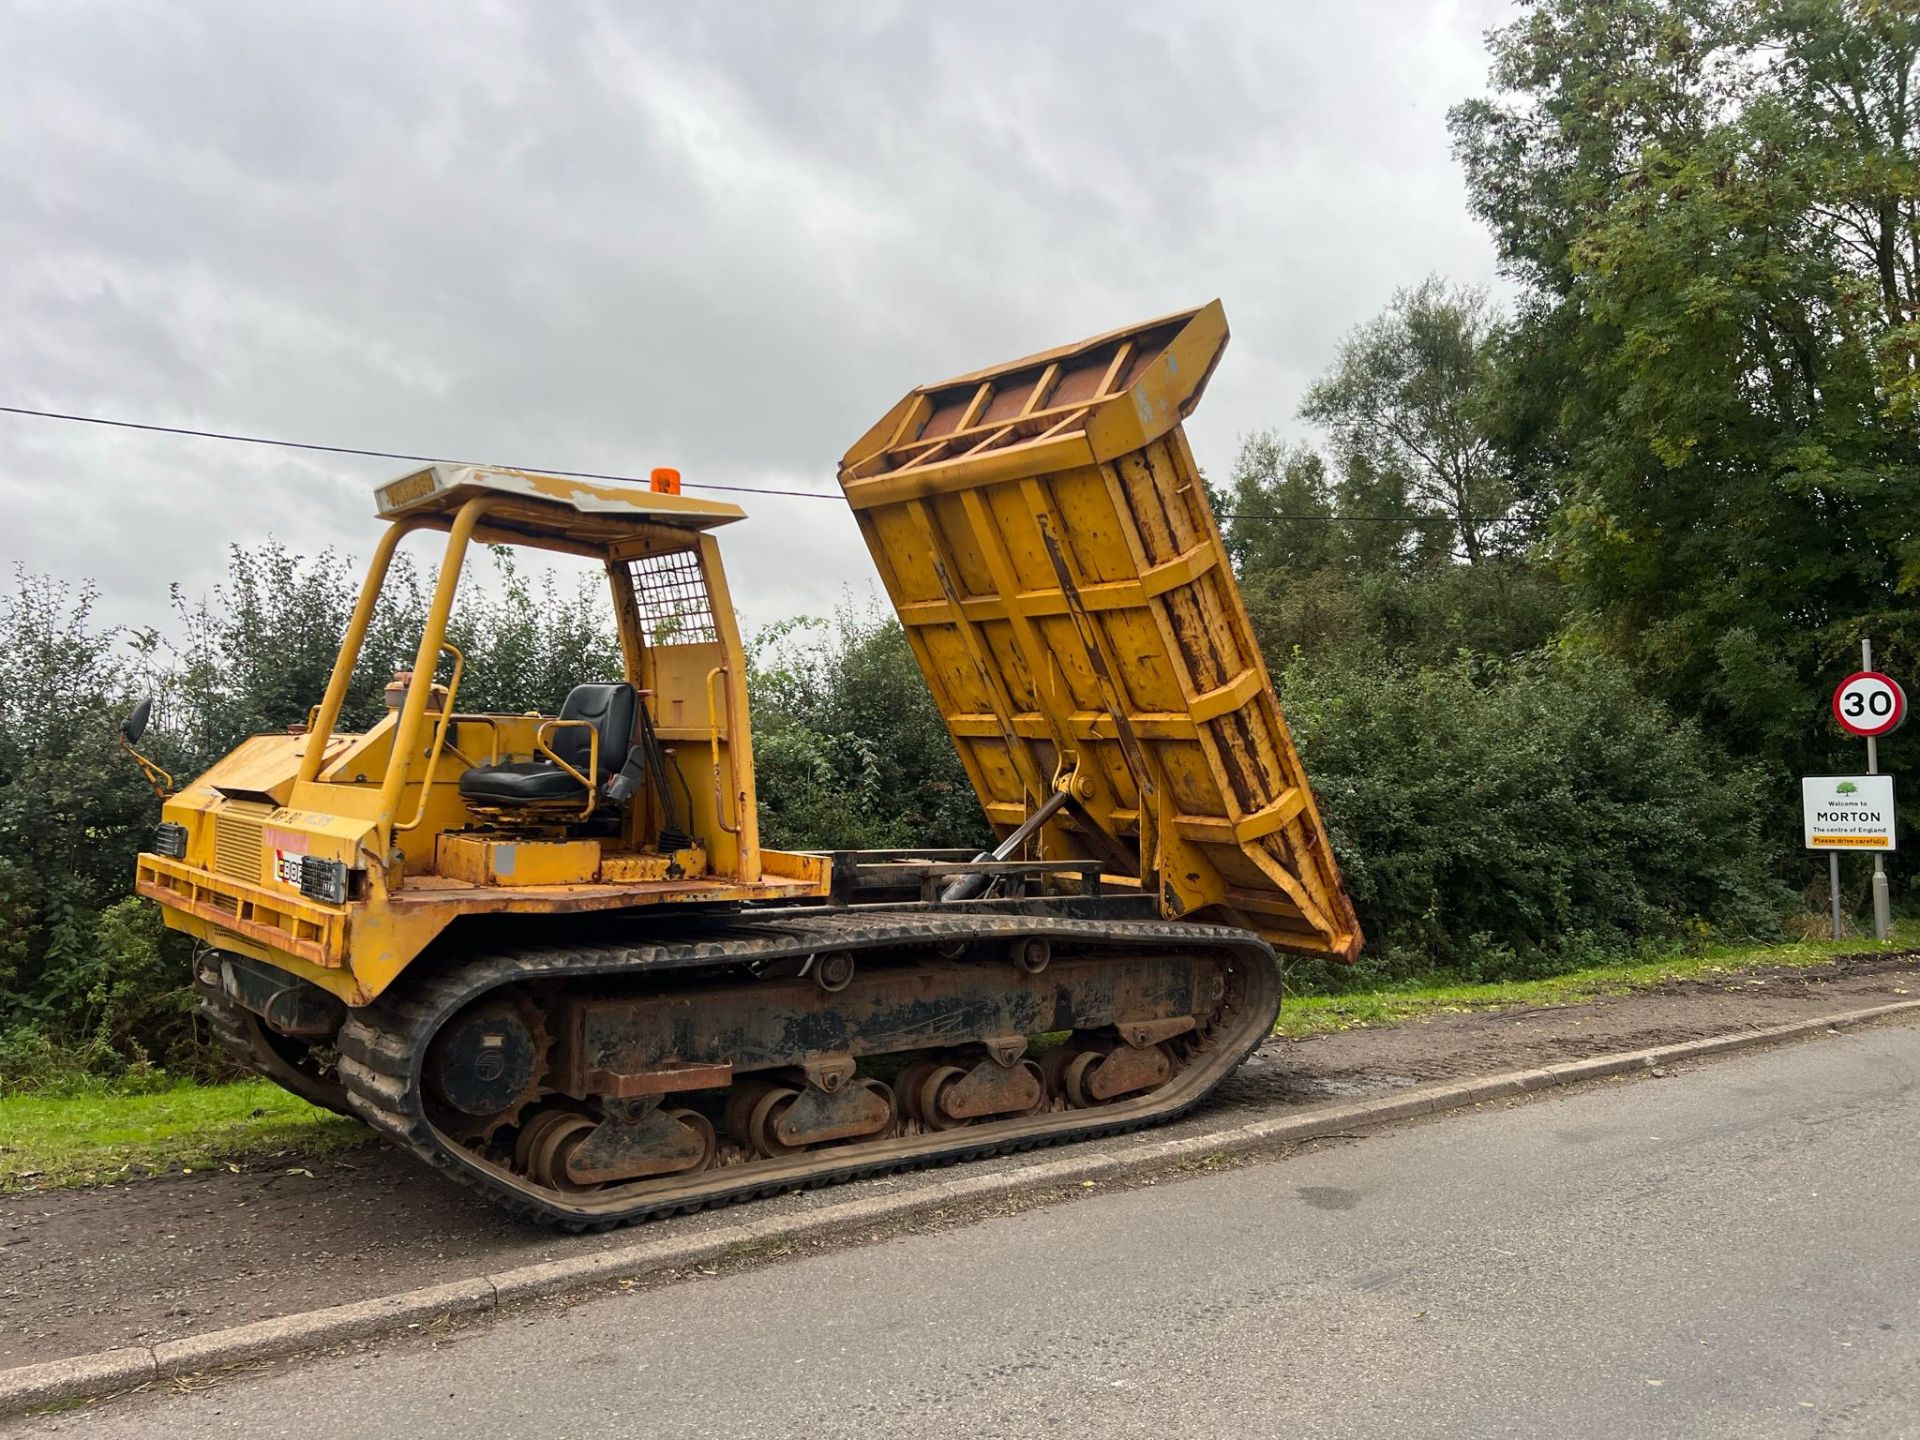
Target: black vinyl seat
[[608, 708], [519, 782]]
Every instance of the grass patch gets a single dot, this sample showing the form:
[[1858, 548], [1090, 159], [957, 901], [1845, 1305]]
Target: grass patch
[[1393, 1004], [49, 1142]]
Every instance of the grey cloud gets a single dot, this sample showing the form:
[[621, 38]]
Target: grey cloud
[[609, 236]]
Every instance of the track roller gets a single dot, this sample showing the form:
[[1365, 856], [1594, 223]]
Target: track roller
[[1096, 1075], [773, 1119], [570, 1151], [945, 1097]]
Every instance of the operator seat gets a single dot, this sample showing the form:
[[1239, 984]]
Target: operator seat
[[608, 708]]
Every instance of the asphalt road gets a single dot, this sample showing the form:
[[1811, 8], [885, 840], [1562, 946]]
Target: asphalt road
[[1731, 1251]]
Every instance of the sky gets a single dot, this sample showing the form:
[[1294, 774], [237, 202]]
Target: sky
[[722, 237]]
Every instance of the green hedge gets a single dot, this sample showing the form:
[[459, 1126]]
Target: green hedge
[[1500, 821]]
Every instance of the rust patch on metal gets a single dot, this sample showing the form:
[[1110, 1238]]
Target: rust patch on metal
[[625, 1086], [902, 1007], [1127, 1069], [993, 1089]]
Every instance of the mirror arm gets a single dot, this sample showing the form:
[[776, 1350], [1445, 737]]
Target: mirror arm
[[160, 781]]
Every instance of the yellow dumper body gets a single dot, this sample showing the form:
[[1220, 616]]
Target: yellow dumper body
[[549, 954]]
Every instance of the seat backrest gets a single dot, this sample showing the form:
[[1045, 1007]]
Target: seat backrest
[[609, 709]]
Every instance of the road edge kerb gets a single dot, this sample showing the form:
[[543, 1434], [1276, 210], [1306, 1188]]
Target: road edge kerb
[[107, 1372]]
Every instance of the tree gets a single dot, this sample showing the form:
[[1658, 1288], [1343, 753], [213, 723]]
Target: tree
[[73, 813], [256, 654], [1406, 402], [1713, 206], [1354, 560], [529, 642], [1279, 508]]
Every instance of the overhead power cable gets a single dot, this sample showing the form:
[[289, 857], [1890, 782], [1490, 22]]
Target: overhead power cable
[[194, 434], [1375, 519], [393, 454]]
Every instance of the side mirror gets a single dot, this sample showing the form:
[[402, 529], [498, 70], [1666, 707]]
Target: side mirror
[[135, 725], [131, 729]]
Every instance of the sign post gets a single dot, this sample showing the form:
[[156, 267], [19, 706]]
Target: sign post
[[1868, 704], [1882, 902]]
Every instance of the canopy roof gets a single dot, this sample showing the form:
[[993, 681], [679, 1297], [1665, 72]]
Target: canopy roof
[[547, 511]]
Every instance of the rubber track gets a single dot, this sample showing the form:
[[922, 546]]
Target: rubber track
[[381, 1045], [238, 1033]]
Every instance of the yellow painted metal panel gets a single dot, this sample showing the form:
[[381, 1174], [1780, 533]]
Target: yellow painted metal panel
[[493, 860], [281, 921], [1042, 529], [237, 849], [623, 869], [538, 503]]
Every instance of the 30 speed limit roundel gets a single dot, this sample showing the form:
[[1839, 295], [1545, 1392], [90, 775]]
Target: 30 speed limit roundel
[[1869, 703]]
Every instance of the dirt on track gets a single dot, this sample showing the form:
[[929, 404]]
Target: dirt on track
[[157, 1259]]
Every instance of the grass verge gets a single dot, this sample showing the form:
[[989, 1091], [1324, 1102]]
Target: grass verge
[[1392, 1005], [94, 1138]]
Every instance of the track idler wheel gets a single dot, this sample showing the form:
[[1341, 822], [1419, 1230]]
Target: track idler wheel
[[908, 1084], [1032, 953], [532, 1135], [833, 973], [930, 1095], [763, 1123], [1053, 1067]]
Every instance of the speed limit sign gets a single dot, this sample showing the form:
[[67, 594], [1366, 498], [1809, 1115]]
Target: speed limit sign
[[1869, 703]]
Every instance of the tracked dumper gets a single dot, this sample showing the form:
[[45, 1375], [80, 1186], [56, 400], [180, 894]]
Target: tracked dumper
[[549, 954]]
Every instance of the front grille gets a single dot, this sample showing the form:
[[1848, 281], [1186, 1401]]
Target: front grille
[[236, 841]]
